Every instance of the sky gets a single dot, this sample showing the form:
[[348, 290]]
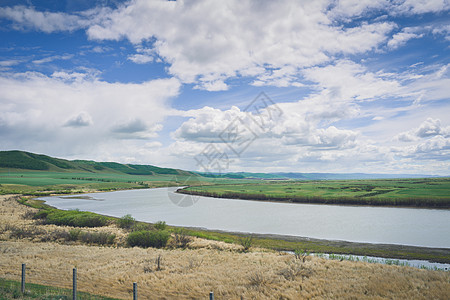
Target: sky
[[225, 86]]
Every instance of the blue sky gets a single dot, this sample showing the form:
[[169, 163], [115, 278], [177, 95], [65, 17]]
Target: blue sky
[[357, 86]]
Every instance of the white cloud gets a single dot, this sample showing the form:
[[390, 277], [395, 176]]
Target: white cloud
[[9, 62], [442, 30], [140, 58], [52, 58], [280, 37], [346, 80], [421, 6], [28, 18], [54, 114], [428, 128], [401, 38], [355, 8]]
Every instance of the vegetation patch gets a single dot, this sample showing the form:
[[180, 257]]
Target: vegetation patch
[[428, 192], [146, 238], [73, 218]]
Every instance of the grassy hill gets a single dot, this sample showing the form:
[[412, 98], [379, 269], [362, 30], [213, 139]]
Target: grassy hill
[[29, 161], [36, 174]]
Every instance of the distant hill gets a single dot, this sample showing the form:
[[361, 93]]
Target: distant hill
[[343, 176], [30, 161], [311, 176]]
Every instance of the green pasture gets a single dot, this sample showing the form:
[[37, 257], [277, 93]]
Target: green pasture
[[19, 181], [381, 191]]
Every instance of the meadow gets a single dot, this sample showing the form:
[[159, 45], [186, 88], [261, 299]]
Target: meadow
[[423, 192], [47, 182]]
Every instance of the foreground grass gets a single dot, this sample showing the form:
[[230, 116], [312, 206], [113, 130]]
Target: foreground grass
[[10, 289], [425, 192], [193, 273]]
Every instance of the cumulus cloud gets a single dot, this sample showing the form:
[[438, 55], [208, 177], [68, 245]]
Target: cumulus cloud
[[222, 45], [273, 43], [347, 80], [38, 112], [429, 128], [295, 127]]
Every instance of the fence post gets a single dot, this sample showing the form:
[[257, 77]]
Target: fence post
[[135, 291], [74, 285], [23, 279], [211, 295]]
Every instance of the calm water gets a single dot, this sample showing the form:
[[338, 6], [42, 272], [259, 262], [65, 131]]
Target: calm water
[[406, 226]]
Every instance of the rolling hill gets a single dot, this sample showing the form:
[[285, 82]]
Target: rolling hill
[[22, 160]]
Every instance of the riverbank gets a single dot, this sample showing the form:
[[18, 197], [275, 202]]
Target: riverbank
[[204, 266], [420, 193], [295, 243]]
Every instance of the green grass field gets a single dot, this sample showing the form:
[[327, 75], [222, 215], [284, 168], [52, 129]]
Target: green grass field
[[429, 192], [45, 182]]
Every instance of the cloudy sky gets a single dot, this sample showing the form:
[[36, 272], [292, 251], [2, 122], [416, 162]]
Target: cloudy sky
[[348, 86]]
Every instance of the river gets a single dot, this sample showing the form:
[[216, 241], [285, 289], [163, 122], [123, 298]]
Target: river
[[386, 225]]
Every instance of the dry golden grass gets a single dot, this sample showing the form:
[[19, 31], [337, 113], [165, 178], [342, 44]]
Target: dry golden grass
[[208, 266]]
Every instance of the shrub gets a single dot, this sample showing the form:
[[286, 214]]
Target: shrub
[[75, 218], [25, 232], [74, 234], [145, 238], [160, 225], [181, 239], [246, 243], [56, 234], [141, 227], [126, 222], [257, 279], [101, 238]]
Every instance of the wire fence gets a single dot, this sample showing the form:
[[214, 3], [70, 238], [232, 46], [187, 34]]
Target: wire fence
[[75, 287]]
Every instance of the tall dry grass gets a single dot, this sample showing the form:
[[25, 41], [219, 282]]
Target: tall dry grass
[[208, 266]]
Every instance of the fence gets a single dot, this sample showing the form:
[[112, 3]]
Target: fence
[[74, 285]]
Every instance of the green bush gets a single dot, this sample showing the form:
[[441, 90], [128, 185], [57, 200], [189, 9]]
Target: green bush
[[145, 238], [74, 234], [75, 218], [100, 238], [246, 243], [141, 227], [126, 222], [160, 225]]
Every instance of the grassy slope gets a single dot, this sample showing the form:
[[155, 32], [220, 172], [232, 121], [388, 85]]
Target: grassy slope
[[30, 161], [429, 192]]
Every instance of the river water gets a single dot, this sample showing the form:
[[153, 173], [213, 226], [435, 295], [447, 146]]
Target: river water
[[387, 225]]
